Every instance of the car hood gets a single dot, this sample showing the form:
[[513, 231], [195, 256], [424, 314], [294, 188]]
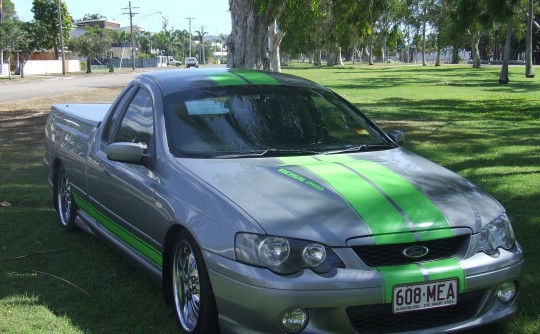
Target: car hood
[[376, 197]]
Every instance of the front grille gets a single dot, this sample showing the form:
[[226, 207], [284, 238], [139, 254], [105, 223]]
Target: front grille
[[390, 255], [380, 318]]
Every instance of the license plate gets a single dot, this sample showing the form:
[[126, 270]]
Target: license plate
[[424, 296]]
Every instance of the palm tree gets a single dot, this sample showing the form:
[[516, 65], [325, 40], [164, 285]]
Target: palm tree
[[200, 37]]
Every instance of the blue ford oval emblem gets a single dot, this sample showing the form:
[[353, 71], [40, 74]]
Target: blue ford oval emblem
[[415, 252]]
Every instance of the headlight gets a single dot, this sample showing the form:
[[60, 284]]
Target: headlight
[[284, 255], [497, 234]]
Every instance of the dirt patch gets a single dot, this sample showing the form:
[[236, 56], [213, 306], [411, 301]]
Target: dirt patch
[[22, 122]]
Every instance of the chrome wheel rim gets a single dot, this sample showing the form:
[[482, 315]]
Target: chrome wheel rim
[[187, 289], [65, 201]]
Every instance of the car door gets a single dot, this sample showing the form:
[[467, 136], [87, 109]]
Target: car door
[[125, 189]]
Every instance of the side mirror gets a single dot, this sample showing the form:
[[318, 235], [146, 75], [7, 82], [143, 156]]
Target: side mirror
[[397, 136], [126, 152]]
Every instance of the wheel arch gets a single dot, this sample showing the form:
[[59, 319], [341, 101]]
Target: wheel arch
[[166, 269], [56, 165]]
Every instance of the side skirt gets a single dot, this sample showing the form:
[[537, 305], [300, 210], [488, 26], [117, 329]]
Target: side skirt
[[88, 224]]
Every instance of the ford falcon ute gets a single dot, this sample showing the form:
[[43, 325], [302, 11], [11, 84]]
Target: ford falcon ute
[[266, 203]]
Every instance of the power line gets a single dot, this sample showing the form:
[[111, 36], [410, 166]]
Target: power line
[[131, 14]]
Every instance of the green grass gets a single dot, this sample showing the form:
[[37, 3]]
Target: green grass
[[459, 117], [465, 120]]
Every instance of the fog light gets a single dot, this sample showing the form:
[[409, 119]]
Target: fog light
[[295, 320], [506, 292]]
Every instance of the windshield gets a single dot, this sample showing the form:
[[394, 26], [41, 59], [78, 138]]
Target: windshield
[[235, 121]]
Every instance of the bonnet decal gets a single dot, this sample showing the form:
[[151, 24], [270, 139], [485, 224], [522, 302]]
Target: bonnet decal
[[393, 208]]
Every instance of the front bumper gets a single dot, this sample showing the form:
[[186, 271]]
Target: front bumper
[[253, 300]]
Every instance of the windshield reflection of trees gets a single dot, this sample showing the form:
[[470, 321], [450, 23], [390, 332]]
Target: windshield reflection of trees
[[259, 119]]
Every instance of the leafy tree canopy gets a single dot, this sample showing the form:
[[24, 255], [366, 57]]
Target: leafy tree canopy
[[95, 16], [8, 9], [45, 12]]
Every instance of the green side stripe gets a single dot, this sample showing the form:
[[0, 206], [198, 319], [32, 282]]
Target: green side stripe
[[129, 238], [420, 211], [364, 199], [414, 274]]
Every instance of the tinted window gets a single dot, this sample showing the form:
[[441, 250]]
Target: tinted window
[[216, 121], [138, 123], [119, 107]]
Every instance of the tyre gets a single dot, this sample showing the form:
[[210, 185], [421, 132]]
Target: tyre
[[65, 206], [193, 300]]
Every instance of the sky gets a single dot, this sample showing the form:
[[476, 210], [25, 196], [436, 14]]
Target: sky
[[213, 15]]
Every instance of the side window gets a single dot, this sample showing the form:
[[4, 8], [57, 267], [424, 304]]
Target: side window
[[119, 107], [138, 123]]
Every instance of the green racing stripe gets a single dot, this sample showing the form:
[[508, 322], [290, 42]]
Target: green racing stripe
[[393, 208], [127, 237], [243, 77]]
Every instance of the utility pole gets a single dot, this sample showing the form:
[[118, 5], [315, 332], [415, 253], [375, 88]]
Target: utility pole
[[131, 14], [202, 43], [61, 37], [1, 51], [190, 18]]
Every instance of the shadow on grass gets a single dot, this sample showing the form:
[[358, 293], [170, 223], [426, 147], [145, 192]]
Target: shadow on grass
[[33, 247], [486, 84]]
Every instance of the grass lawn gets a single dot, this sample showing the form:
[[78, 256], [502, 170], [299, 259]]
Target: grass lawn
[[52, 281]]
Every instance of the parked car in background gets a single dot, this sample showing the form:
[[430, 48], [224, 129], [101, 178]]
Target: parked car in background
[[192, 62], [265, 203], [173, 62]]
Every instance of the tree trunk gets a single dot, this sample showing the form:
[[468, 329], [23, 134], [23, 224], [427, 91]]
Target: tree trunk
[[529, 68], [334, 55], [22, 67], [370, 52], [9, 65], [89, 65], [424, 41], [247, 46], [438, 61], [455, 54], [317, 61], [504, 77], [475, 51], [383, 49], [274, 40]]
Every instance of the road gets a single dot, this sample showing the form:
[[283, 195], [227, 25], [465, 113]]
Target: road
[[53, 85], [16, 90]]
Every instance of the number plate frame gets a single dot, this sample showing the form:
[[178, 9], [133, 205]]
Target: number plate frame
[[422, 296]]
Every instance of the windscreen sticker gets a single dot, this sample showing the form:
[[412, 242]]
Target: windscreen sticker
[[361, 132], [393, 208]]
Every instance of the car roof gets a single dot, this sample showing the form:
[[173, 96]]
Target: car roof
[[172, 81]]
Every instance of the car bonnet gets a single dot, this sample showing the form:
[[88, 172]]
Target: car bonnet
[[387, 197]]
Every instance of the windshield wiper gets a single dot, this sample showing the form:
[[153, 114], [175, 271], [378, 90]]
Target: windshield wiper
[[271, 152], [361, 148]]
